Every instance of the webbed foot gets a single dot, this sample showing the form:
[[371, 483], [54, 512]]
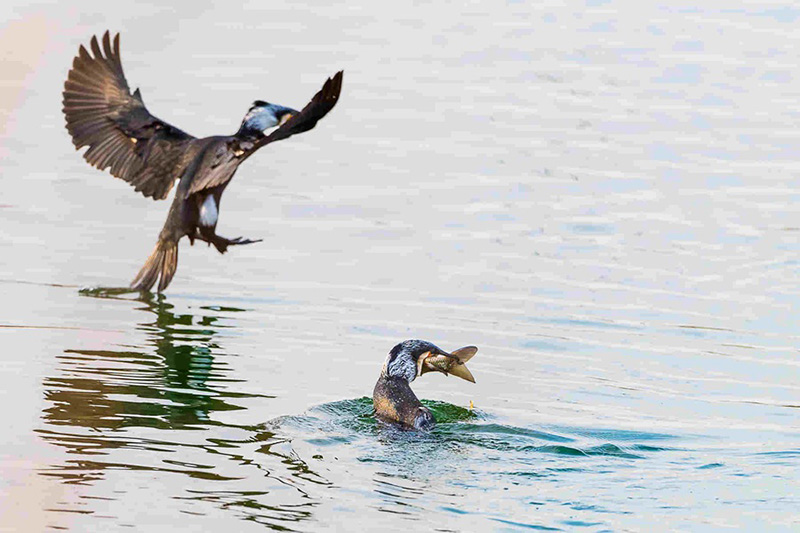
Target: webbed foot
[[221, 243]]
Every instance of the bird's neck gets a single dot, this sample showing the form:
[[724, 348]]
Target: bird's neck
[[394, 401], [246, 133]]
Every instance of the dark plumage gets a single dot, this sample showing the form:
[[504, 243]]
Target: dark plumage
[[393, 399], [150, 154]]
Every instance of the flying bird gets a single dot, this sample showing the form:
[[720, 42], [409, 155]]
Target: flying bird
[[150, 154]]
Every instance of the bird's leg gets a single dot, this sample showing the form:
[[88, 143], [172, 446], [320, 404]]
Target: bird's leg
[[221, 243]]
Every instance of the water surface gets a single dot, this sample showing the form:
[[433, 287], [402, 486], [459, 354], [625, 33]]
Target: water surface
[[603, 199]]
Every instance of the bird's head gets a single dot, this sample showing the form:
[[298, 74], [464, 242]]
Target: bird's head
[[404, 359], [262, 116]]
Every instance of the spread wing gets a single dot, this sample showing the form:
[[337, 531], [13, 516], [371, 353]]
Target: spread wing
[[318, 107], [116, 126]]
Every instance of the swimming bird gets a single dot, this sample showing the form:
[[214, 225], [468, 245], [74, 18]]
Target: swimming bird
[[150, 154], [393, 399]]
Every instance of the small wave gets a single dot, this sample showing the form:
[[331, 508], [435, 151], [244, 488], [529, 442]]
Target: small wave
[[351, 422]]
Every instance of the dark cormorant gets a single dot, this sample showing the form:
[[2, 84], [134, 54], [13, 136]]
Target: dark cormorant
[[150, 154], [393, 399]]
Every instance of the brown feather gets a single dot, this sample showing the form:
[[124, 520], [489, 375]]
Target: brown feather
[[162, 263], [318, 107], [102, 114]]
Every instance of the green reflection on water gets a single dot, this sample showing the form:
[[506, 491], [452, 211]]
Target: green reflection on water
[[179, 378], [105, 404]]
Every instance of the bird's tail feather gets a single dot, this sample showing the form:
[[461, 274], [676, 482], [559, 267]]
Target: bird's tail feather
[[160, 266]]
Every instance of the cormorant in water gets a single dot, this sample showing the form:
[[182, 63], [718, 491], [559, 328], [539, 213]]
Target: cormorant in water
[[393, 399], [150, 154]]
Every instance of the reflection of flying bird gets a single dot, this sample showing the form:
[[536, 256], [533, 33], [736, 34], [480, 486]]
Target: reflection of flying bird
[[393, 399], [150, 154]]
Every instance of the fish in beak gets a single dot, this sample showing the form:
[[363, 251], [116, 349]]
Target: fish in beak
[[448, 363]]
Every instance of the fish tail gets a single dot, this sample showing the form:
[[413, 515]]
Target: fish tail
[[463, 355], [461, 371]]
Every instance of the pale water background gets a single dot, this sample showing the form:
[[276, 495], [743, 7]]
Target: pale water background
[[602, 196]]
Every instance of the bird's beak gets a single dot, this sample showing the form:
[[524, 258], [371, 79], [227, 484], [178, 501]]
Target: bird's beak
[[286, 118]]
